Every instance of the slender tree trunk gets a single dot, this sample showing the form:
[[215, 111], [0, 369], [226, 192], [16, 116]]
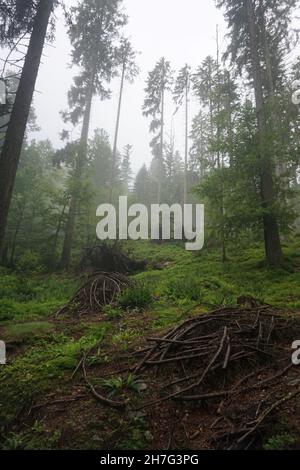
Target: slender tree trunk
[[229, 119], [4, 257], [15, 236], [218, 101], [80, 162], [220, 162], [161, 156], [14, 138], [115, 148], [13, 246], [211, 111], [202, 153], [185, 190], [281, 166], [271, 230], [58, 229]]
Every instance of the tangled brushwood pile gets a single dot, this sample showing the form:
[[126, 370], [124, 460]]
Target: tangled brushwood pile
[[100, 289], [234, 363]]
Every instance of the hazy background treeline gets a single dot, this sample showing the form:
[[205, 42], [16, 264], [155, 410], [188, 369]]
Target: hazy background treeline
[[241, 155]]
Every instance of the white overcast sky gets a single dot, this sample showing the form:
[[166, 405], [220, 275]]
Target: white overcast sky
[[183, 32]]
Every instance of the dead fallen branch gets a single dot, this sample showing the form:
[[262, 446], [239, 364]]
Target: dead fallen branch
[[227, 360], [61, 401], [267, 412], [100, 289], [98, 396]]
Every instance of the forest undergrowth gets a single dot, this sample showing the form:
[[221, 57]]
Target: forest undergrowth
[[57, 365]]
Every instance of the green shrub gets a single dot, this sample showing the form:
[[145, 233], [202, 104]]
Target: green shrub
[[280, 442], [9, 285], [112, 312], [7, 309], [17, 288], [139, 297], [29, 263], [125, 338], [118, 384], [36, 437]]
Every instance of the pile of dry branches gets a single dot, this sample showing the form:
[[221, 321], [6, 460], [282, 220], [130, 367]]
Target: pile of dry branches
[[100, 289], [226, 360]]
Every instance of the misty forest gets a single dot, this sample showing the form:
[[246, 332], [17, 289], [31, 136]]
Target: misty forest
[[136, 344]]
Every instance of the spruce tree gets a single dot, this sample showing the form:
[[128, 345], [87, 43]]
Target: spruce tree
[[94, 30], [181, 94], [16, 19], [142, 186], [158, 83], [14, 137], [126, 173], [126, 56], [259, 32]]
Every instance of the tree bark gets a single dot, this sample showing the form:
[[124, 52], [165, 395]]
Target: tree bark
[[211, 110], [161, 156], [10, 155], [220, 163], [16, 233], [80, 162], [229, 119], [115, 148], [185, 189], [281, 166], [58, 229], [271, 230]]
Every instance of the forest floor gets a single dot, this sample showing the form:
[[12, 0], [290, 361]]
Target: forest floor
[[44, 399]]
